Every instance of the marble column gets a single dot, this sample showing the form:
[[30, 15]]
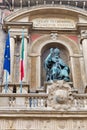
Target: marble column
[[83, 74], [35, 71], [84, 48], [76, 72], [12, 48], [38, 71]]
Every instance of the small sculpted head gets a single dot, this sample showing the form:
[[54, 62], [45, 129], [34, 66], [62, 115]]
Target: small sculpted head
[[56, 51]]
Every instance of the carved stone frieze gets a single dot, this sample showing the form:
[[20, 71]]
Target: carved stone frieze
[[43, 124]]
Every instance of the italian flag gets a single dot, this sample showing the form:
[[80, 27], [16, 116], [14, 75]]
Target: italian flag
[[22, 59]]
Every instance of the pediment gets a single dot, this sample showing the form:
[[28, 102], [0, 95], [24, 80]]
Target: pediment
[[24, 14], [51, 17]]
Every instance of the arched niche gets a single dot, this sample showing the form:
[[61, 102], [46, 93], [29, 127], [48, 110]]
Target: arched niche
[[67, 46]]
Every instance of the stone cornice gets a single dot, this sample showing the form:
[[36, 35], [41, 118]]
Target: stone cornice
[[23, 95], [6, 25], [15, 113], [29, 25], [82, 26]]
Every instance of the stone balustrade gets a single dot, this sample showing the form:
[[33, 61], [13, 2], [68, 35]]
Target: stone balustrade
[[31, 100], [38, 101], [80, 101]]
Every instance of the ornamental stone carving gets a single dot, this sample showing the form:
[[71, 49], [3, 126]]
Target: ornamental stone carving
[[60, 95]]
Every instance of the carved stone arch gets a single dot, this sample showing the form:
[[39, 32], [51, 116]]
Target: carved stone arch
[[63, 41], [38, 44], [26, 11]]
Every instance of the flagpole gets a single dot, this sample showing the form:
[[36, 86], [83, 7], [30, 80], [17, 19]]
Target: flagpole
[[6, 85], [21, 86]]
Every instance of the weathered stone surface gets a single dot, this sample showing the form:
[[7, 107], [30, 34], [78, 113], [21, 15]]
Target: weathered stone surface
[[44, 121], [68, 110], [2, 46], [59, 95]]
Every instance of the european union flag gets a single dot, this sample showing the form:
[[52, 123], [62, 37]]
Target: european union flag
[[7, 54]]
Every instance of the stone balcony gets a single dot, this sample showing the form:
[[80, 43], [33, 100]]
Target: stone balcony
[[60, 106], [35, 101], [55, 96], [23, 101]]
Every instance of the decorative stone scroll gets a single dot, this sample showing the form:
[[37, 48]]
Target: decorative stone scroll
[[62, 96], [59, 95], [53, 23]]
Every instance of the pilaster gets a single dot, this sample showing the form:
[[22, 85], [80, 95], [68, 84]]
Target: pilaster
[[84, 47]]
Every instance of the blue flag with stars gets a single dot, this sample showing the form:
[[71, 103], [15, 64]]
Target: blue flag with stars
[[7, 54]]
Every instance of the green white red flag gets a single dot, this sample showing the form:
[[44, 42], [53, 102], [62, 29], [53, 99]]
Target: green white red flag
[[22, 59]]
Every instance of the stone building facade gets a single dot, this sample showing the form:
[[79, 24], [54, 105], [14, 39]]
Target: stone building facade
[[43, 105]]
